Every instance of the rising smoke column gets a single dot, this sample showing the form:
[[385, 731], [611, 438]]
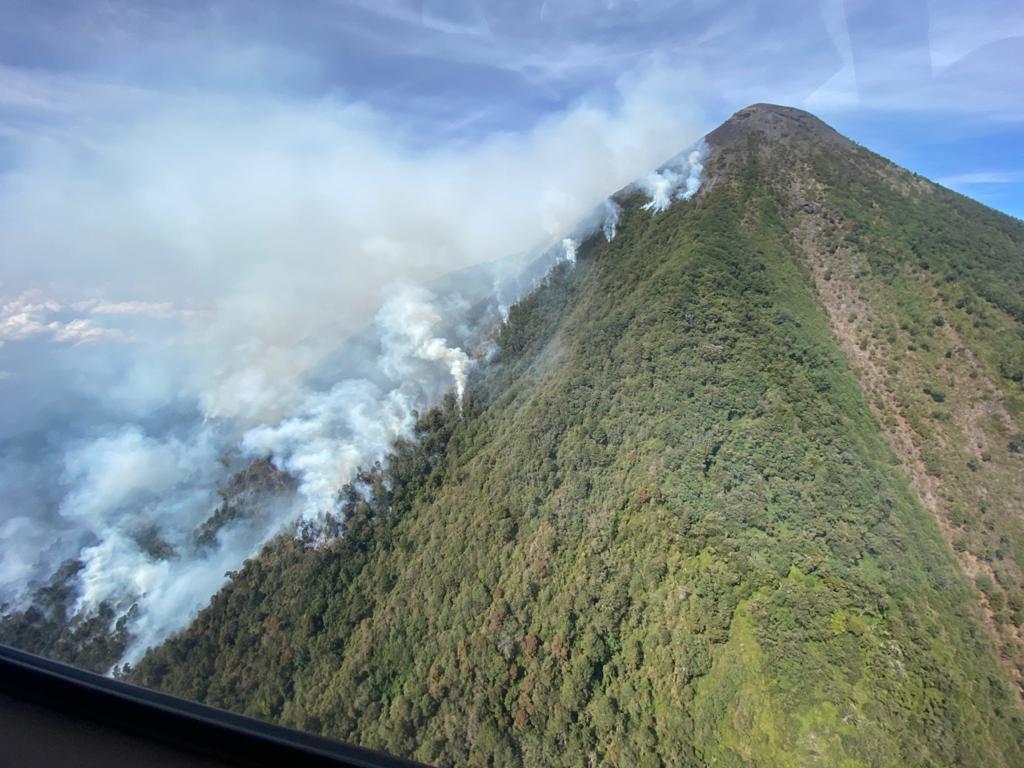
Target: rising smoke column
[[569, 246], [678, 179], [610, 224], [356, 422], [135, 496], [130, 477], [411, 321]]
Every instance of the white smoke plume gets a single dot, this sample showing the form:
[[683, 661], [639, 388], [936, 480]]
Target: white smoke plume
[[410, 321], [610, 225], [190, 287], [569, 246], [127, 486], [355, 422], [678, 179]]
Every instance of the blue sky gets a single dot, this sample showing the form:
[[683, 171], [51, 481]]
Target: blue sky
[[934, 84]]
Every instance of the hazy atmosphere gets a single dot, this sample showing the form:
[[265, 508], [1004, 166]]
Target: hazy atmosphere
[[225, 228]]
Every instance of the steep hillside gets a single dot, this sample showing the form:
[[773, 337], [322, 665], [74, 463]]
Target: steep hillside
[[711, 504]]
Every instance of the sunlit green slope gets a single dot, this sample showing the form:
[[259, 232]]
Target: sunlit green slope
[[668, 526]]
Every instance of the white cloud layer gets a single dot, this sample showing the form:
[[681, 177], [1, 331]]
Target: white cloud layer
[[29, 316]]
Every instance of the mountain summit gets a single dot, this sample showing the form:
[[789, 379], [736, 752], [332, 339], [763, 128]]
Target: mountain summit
[[779, 126], [740, 486]]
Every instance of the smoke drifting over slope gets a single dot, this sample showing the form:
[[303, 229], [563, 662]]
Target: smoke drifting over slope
[[678, 179], [193, 292]]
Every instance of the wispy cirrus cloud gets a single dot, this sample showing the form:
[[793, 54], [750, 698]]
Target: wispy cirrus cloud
[[981, 177], [155, 309], [457, 70]]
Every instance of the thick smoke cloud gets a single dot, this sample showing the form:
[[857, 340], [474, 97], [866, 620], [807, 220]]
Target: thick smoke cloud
[[336, 431], [204, 282]]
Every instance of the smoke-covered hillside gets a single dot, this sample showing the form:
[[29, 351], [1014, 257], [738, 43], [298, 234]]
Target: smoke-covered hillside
[[141, 478], [739, 484]]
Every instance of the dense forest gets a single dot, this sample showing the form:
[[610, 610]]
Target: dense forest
[[741, 487]]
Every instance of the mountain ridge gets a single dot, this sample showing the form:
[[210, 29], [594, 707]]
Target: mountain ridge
[[673, 521], [740, 486]]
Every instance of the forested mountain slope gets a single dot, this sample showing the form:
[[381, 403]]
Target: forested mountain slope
[[711, 503]]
